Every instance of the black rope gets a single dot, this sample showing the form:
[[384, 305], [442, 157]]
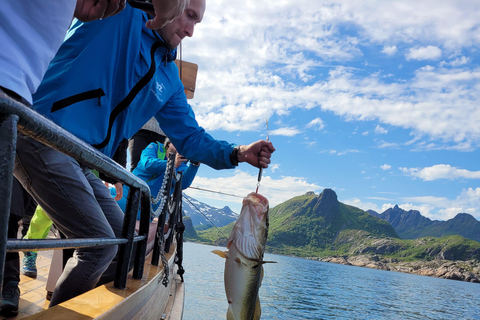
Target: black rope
[[205, 216], [180, 228]]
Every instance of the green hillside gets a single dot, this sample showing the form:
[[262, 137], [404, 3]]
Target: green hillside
[[312, 221], [355, 242], [309, 224], [319, 225]]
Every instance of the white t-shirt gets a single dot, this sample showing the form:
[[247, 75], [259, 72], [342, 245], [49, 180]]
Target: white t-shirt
[[31, 31]]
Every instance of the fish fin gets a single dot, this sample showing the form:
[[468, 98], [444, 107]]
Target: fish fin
[[262, 262], [258, 310], [230, 315], [222, 254]]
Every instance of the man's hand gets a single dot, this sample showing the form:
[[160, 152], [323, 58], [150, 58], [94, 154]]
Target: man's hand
[[89, 10], [119, 191], [179, 159], [257, 154]]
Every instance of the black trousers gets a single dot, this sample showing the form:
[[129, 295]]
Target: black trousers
[[139, 142], [22, 207]]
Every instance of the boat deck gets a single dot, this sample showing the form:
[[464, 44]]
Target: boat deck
[[144, 298]]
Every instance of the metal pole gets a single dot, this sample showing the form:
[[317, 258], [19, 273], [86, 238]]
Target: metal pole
[[128, 232], [8, 143]]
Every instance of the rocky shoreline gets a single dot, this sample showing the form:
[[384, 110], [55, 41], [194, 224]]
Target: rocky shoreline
[[468, 271]]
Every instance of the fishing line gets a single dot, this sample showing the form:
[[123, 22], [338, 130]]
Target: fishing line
[[181, 61], [205, 216], [219, 192]]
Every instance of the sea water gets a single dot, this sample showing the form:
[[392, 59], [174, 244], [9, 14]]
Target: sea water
[[295, 288]]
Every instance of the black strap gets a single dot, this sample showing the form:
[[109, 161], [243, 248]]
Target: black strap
[[132, 94]]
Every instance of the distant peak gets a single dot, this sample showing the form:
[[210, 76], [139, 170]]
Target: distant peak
[[464, 216], [328, 194], [327, 204]]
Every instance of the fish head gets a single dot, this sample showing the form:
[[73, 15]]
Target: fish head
[[251, 229], [258, 206]]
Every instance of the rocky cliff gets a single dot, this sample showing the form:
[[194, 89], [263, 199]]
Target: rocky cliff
[[455, 270]]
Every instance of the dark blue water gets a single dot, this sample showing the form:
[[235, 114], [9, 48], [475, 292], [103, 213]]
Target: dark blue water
[[297, 288]]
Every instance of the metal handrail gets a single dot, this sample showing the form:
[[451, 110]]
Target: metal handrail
[[13, 115]]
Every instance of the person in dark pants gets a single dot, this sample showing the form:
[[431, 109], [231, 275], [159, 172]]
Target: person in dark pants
[[89, 211], [22, 205], [150, 132]]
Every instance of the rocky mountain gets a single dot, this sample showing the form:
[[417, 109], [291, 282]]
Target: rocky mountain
[[411, 224], [311, 223], [322, 228], [219, 216], [314, 221]]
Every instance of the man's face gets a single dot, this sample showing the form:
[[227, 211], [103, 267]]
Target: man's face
[[183, 26]]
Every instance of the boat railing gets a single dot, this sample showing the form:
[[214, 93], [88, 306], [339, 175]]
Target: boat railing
[[17, 116]]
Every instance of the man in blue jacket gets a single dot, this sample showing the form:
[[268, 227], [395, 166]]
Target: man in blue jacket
[[106, 81]]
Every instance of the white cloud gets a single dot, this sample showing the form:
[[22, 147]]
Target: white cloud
[[385, 144], [385, 167], [380, 130], [242, 183], [274, 167], [440, 171], [289, 132], [440, 208], [390, 50], [457, 62], [424, 53], [246, 77], [343, 152], [316, 123], [361, 204]]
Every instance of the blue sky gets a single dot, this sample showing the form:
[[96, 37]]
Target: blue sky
[[377, 100]]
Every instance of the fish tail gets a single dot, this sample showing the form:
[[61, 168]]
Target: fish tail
[[230, 315], [258, 310], [222, 254]]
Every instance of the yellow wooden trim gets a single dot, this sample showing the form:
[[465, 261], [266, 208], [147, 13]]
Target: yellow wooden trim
[[188, 73]]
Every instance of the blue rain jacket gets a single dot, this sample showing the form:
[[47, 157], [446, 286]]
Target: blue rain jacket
[[110, 77], [151, 169]]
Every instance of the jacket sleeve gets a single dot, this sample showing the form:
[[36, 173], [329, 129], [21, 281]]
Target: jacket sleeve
[[189, 175], [177, 120], [149, 163]]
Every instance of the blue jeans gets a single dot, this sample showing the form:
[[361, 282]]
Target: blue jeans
[[79, 205]]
